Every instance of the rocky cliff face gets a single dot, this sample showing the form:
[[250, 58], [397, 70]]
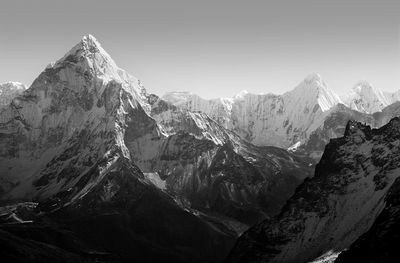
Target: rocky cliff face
[[340, 203]]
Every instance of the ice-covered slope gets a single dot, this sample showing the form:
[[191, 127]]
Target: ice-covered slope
[[278, 120], [331, 210], [9, 91]]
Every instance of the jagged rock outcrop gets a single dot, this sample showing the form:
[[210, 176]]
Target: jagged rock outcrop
[[334, 208]]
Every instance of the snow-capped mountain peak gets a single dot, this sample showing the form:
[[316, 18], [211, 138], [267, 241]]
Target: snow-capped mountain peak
[[364, 97], [88, 53], [88, 58], [241, 95], [314, 88], [177, 97], [11, 86], [364, 88], [87, 45]]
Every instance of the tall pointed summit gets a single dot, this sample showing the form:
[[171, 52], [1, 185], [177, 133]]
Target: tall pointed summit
[[88, 53], [83, 99], [314, 90]]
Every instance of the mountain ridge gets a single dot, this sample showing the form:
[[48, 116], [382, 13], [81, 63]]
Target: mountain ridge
[[86, 129], [94, 151], [296, 117]]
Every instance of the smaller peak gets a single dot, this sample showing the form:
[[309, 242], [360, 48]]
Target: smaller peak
[[364, 97], [363, 85], [178, 93], [178, 97], [9, 90], [241, 94], [13, 84]]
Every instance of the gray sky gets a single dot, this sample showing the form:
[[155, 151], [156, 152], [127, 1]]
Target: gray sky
[[213, 48]]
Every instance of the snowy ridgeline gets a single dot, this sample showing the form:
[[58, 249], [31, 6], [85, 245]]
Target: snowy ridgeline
[[285, 121], [289, 119]]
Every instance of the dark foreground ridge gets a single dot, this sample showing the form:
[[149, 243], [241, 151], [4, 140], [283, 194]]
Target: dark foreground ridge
[[355, 179]]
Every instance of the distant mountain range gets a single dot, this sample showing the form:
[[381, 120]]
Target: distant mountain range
[[306, 117]]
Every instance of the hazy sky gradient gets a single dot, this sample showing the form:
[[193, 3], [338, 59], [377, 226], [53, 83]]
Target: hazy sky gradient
[[213, 48]]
